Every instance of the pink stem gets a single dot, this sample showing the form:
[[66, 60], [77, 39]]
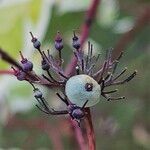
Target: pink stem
[[78, 135], [71, 68], [85, 29], [89, 130], [9, 72]]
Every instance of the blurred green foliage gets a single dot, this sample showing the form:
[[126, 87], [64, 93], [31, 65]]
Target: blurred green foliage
[[12, 22], [118, 125]]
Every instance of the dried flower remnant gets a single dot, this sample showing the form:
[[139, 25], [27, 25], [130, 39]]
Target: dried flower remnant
[[84, 89], [75, 42]]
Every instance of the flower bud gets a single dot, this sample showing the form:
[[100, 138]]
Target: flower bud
[[45, 65], [77, 113], [38, 93], [26, 65], [58, 42], [19, 74], [75, 42], [35, 42]]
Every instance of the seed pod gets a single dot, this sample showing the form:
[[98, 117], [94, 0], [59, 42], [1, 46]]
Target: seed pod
[[19, 74], [45, 65], [75, 42], [26, 65], [78, 113], [35, 42], [58, 42], [38, 93]]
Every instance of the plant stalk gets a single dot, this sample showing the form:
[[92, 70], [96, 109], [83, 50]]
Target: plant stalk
[[90, 130]]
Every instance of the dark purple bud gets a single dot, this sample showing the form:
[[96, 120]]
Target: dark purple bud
[[78, 113], [58, 42], [71, 107], [45, 65], [35, 42], [19, 74], [37, 93], [75, 42], [26, 65]]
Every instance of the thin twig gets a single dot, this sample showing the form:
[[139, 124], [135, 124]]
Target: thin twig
[[4, 56], [141, 22], [9, 72]]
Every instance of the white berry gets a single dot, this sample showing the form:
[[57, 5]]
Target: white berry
[[81, 88]]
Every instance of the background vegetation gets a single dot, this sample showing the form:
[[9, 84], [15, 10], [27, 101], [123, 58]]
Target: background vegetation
[[119, 124]]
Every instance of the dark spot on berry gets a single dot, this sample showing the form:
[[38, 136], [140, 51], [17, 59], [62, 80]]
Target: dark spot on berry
[[89, 87]]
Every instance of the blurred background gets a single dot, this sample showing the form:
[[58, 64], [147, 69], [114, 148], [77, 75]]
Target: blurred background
[[119, 124]]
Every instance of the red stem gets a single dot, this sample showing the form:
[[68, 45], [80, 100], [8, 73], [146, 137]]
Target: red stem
[[79, 136], [85, 29], [89, 130], [9, 72], [71, 69]]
